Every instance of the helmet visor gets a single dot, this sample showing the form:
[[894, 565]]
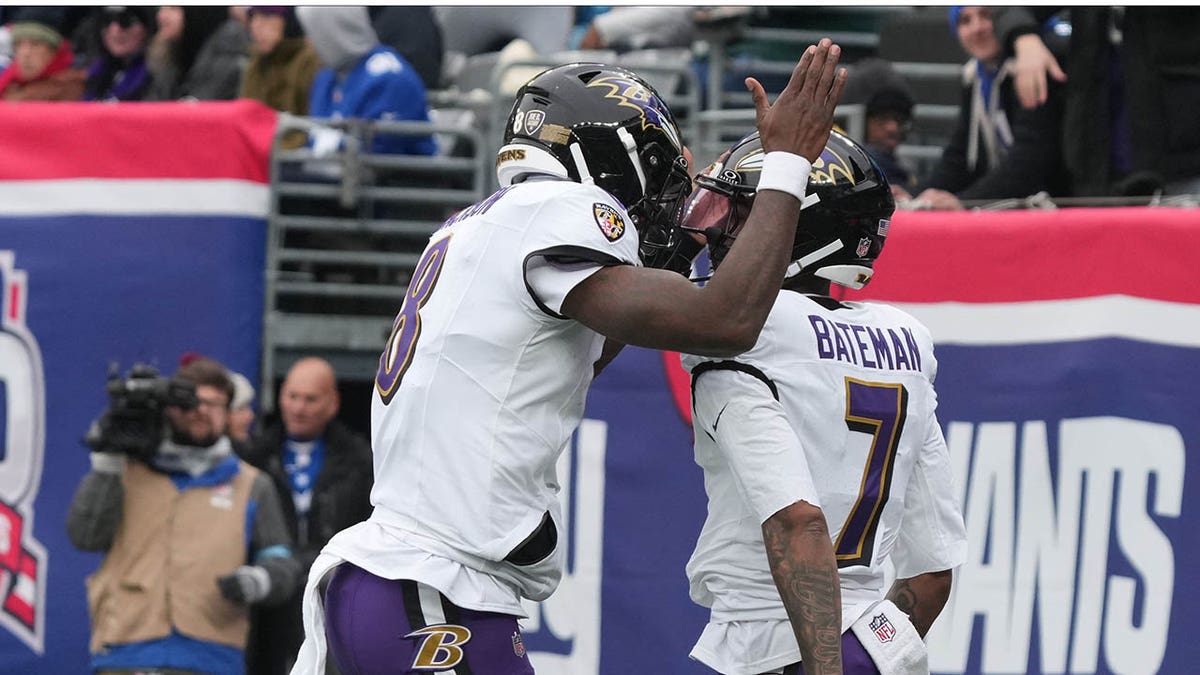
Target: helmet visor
[[718, 217]]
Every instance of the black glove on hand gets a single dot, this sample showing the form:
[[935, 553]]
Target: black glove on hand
[[247, 585]]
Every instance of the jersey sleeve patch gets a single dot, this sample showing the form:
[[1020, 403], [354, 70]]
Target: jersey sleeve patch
[[609, 220], [580, 216]]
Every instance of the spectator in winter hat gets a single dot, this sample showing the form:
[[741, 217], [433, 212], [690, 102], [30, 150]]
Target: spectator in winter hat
[[241, 409], [41, 65], [998, 150], [889, 107], [360, 78]]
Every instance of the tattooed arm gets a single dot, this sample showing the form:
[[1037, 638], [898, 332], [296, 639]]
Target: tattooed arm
[[922, 597], [805, 571]]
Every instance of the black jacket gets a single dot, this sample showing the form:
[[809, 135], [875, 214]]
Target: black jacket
[[1160, 57], [341, 498], [1033, 162]]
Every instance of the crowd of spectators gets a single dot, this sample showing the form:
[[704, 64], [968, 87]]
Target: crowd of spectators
[[337, 67], [1104, 112]]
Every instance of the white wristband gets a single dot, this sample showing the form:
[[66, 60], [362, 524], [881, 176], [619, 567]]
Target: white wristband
[[785, 172]]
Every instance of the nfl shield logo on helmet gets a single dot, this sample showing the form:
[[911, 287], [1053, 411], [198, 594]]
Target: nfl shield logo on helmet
[[884, 630], [609, 220], [518, 645], [864, 247], [533, 121]]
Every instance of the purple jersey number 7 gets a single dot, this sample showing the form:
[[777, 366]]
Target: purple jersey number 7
[[878, 409], [406, 329]]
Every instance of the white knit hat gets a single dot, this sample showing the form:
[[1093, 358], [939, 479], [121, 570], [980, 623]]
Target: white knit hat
[[243, 391]]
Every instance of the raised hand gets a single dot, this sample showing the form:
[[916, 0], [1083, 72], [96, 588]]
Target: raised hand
[[802, 116], [1033, 63]]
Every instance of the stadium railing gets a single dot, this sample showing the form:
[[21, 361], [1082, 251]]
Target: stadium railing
[[345, 231]]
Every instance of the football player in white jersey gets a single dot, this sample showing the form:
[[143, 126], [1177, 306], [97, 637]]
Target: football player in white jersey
[[822, 455], [504, 324]]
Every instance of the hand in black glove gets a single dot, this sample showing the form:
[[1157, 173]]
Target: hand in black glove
[[247, 585]]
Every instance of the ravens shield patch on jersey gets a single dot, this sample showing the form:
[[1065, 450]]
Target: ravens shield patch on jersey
[[609, 220]]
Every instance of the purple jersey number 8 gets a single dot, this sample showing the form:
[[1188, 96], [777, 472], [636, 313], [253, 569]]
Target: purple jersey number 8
[[878, 409], [406, 329]]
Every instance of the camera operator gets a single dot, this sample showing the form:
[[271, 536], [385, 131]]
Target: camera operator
[[192, 536]]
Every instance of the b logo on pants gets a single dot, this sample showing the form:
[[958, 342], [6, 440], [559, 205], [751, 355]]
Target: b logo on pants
[[440, 647]]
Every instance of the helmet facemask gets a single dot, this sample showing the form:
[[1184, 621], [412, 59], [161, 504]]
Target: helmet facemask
[[662, 244]]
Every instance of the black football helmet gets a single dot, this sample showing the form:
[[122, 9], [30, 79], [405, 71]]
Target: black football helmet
[[843, 219], [589, 122]]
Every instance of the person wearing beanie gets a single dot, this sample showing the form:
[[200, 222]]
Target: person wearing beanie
[[998, 149], [118, 71], [241, 409], [41, 64], [361, 78], [282, 63], [876, 85], [413, 31]]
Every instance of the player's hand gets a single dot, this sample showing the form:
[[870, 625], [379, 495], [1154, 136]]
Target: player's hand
[[802, 116], [1032, 64]]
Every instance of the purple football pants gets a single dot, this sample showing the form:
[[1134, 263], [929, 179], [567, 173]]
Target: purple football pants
[[375, 625], [855, 659]]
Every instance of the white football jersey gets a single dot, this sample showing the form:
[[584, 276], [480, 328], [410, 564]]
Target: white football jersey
[[480, 387], [834, 405]]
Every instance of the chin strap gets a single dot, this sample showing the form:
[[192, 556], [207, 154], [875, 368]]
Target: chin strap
[[818, 255]]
